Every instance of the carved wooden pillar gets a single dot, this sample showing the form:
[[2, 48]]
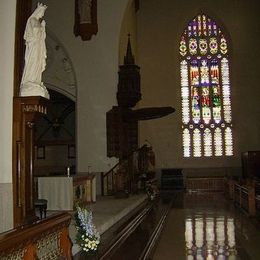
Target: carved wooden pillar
[[26, 111]]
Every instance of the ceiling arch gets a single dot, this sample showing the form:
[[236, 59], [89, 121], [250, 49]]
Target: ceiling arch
[[59, 74]]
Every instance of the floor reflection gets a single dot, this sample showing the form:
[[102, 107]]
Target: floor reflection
[[209, 237], [207, 227]]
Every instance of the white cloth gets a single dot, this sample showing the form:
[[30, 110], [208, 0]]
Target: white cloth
[[58, 191]]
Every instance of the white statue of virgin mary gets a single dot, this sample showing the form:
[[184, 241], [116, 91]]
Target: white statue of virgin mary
[[35, 55]]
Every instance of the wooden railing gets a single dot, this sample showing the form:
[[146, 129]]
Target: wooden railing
[[46, 239], [130, 168], [205, 184], [243, 195], [108, 181]]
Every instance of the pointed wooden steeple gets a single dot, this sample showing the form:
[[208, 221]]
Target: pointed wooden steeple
[[129, 57], [128, 93]]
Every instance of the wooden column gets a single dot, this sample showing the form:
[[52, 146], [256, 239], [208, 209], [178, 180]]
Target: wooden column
[[26, 111]]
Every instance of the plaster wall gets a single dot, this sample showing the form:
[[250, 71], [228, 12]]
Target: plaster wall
[[128, 26], [7, 29], [160, 25]]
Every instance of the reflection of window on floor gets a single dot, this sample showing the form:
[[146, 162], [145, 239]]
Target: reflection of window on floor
[[209, 237], [205, 90]]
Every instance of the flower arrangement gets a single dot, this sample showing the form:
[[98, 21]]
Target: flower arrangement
[[87, 236], [151, 190]]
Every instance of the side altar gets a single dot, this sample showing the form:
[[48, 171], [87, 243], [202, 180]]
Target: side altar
[[63, 192]]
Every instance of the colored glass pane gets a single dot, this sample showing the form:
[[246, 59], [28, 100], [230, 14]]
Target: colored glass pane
[[209, 27], [207, 142], [195, 104], [205, 103], [194, 73], [213, 45], [194, 27], [196, 143], [214, 72], [193, 46], [226, 90], [186, 142], [223, 45], [216, 104], [185, 92], [199, 25], [218, 142], [215, 31], [228, 141], [183, 47], [203, 45], [204, 24]]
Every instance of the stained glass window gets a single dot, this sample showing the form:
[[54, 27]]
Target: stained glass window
[[205, 90]]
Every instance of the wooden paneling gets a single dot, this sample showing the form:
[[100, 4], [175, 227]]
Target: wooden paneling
[[251, 164]]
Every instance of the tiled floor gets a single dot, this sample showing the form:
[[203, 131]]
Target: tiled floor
[[206, 226]]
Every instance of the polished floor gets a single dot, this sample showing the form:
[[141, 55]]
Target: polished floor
[[207, 226], [198, 226]]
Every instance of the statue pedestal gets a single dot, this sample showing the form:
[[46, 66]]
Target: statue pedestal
[[26, 111]]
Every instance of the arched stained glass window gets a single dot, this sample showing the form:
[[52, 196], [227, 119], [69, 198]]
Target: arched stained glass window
[[205, 90]]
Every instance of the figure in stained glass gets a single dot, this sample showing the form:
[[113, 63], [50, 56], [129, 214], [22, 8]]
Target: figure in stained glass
[[205, 101], [216, 97]]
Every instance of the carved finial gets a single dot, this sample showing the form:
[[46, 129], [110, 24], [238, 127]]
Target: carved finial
[[129, 58]]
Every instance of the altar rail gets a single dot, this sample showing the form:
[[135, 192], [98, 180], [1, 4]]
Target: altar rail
[[205, 184], [244, 196], [46, 239]]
